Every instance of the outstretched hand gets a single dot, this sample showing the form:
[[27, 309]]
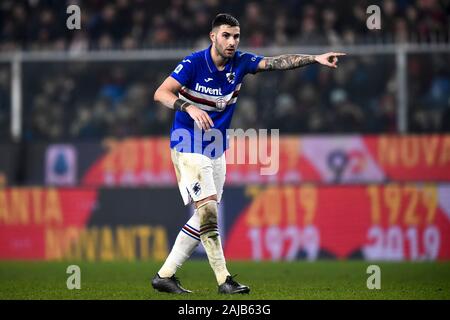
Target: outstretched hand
[[329, 59]]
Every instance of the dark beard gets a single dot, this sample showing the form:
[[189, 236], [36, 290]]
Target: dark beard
[[222, 55]]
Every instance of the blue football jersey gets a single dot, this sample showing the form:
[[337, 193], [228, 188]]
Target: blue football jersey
[[211, 90]]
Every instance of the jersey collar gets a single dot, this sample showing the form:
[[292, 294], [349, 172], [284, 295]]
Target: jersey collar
[[211, 66]]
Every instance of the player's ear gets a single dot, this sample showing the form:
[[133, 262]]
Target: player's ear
[[212, 35]]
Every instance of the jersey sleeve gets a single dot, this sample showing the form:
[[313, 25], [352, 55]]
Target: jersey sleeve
[[250, 61], [184, 71]]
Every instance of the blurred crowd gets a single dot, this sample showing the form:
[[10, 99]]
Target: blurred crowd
[[93, 100], [4, 100], [129, 24], [84, 100]]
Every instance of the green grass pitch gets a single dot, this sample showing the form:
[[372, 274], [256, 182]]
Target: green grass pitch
[[267, 280]]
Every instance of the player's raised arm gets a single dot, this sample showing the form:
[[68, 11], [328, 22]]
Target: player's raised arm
[[293, 61], [166, 94]]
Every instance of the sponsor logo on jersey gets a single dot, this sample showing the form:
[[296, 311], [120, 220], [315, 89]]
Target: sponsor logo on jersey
[[207, 90]]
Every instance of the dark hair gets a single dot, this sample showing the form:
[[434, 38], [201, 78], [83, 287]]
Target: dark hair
[[224, 18]]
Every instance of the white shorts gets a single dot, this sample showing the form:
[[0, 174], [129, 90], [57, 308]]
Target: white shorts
[[199, 176]]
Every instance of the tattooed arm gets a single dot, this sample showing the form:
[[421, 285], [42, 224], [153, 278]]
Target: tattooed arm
[[285, 62], [293, 61]]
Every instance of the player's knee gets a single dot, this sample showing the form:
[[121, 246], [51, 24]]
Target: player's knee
[[208, 219], [207, 212]]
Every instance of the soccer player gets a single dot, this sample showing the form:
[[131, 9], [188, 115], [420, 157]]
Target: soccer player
[[203, 90]]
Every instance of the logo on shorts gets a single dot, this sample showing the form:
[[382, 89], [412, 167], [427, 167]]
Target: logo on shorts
[[196, 188]]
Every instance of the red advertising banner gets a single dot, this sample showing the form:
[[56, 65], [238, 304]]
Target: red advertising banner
[[373, 222], [276, 222], [29, 217], [325, 159], [87, 224]]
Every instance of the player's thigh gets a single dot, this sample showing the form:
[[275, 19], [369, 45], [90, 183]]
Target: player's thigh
[[219, 175], [195, 173]]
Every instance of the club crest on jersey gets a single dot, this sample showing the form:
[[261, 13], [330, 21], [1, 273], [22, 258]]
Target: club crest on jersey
[[221, 104], [231, 76]]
